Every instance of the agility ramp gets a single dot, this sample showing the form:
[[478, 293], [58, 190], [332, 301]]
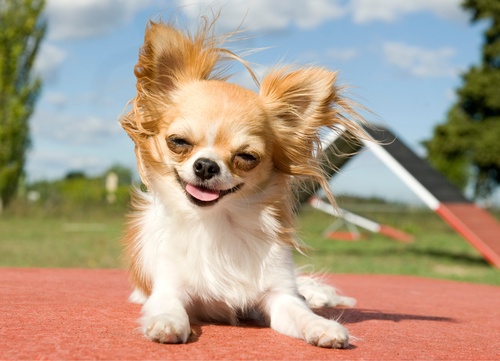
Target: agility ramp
[[476, 225]]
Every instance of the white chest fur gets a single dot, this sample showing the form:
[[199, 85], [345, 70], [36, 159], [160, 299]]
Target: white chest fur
[[226, 256]]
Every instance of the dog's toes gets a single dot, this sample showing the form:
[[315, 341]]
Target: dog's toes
[[327, 341], [167, 329], [326, 333]]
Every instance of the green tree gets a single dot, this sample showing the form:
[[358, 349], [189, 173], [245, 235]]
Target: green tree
[[22, 29], [466, 148]]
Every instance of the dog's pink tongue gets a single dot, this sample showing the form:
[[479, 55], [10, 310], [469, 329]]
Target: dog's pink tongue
[[201, 194]]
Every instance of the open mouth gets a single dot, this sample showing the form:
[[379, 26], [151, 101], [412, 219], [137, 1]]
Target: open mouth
[[204, 196]]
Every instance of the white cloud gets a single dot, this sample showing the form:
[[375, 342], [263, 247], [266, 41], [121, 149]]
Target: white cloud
[[64, 142], [258, 15], [69, 19], [73, 130], [48, 61], [364, 11], [420, 62], [53, 164], [279, 14], [56, 99]]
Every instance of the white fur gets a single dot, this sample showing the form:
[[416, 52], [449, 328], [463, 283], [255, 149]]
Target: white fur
[[318, 294], [222, 263]]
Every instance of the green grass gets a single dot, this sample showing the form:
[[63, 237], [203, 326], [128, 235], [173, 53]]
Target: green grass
[[57, 242], [436, 251], [92, 240]]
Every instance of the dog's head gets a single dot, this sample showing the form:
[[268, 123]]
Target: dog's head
[[211, 139]]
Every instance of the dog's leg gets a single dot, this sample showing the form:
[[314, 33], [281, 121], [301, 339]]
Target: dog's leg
[[290, 315], [164, 318]]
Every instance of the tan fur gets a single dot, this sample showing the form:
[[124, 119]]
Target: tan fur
[[138, 277]]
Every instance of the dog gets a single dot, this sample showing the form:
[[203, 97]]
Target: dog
[[211, 239]]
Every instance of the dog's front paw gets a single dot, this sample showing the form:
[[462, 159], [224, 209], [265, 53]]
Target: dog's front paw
[[167, 328], [326, 333]]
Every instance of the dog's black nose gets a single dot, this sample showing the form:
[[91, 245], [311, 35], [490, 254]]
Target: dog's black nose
[[205, 168]]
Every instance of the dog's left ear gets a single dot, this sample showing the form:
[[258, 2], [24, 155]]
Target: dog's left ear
[[299, 102]]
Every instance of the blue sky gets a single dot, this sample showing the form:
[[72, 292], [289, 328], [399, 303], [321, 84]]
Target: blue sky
[[402, 58]]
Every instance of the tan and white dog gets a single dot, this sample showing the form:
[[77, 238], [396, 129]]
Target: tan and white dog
[[211, 240]]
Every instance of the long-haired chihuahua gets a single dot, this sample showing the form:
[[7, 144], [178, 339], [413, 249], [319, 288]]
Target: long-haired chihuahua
[[211, 239]]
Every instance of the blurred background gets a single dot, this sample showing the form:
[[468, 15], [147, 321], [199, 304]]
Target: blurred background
[[428, 70]]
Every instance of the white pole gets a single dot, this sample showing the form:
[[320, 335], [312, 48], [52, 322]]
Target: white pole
[[403, 174], [346, 215]]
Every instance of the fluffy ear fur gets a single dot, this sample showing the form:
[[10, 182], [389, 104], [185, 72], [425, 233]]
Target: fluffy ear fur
[[299, 103], [167, 58]]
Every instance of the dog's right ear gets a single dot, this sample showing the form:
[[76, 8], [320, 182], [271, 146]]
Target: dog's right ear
[[170, 57], [167, 59]]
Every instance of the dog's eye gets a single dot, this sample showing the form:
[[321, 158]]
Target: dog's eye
[[247, 157], [178, 144], [246, 161]]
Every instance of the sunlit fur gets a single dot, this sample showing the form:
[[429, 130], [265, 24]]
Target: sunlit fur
[[219, 249]]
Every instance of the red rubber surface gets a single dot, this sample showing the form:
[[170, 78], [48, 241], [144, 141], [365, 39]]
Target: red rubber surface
[[84, 314]]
